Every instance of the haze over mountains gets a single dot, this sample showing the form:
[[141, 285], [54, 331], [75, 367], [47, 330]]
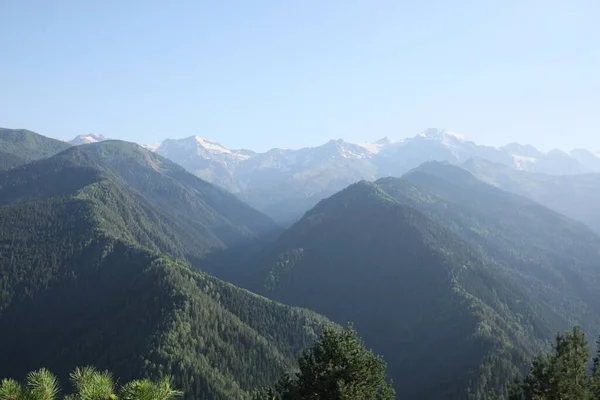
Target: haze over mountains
[[456, 271], [284, 183]]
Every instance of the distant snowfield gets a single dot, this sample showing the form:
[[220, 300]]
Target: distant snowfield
[[211, 146]]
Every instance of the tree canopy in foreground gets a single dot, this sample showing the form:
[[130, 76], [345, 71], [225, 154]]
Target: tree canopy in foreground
[[88, 384], [563, 374], [337, 367]]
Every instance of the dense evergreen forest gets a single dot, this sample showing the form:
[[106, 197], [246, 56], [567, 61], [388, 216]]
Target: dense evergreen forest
[[82, 281], [337, 366], [406, 280], [107, 251], [497, 273]]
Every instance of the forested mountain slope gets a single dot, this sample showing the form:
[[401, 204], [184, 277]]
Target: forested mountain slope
[[438, 266], [419, 295], [553, 258], [576, 196], [144, 197], [81, 282], [19, 146]]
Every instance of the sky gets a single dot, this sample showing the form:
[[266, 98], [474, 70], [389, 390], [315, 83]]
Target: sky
[[293, 73]]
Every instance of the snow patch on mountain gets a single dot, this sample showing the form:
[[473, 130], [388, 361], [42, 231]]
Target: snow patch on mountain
[[451, 140], [446, 137], [87, 139], [346, 153], [211, 146], [218, 149]]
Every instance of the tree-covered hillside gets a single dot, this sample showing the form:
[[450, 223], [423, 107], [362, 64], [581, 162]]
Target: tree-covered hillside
[[554, 259], [143, 197], [82, 281], [19, 146], [444, 275], [418, 294]]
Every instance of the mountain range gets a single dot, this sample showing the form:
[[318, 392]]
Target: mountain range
[[285, 183]]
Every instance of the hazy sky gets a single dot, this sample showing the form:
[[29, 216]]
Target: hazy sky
[[291, 73]]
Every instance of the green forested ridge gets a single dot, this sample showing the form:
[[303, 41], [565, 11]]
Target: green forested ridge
[[442, 274], [576, 196], [19, 146], [82, 281], [143, 196], [552, 258], [416, 292]]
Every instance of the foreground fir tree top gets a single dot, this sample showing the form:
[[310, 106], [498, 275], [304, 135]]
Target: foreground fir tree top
[[337, 367], [561, 375], [87, 384]]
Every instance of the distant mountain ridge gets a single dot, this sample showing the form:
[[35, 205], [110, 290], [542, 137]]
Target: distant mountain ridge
[[285, 183], [576, 196]]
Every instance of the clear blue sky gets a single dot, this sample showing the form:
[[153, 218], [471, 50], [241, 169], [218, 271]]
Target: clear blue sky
[[291, 73]]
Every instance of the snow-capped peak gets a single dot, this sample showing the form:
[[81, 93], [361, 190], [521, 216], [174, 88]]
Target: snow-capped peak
[[442, 135], [457, 136], [88, 138], [211, 146], [342, 148]]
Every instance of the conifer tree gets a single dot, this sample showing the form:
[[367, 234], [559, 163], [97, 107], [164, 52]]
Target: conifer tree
[[561, 375], [337, 367]]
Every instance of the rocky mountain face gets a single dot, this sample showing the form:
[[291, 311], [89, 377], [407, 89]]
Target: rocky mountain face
[[285, 183]]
